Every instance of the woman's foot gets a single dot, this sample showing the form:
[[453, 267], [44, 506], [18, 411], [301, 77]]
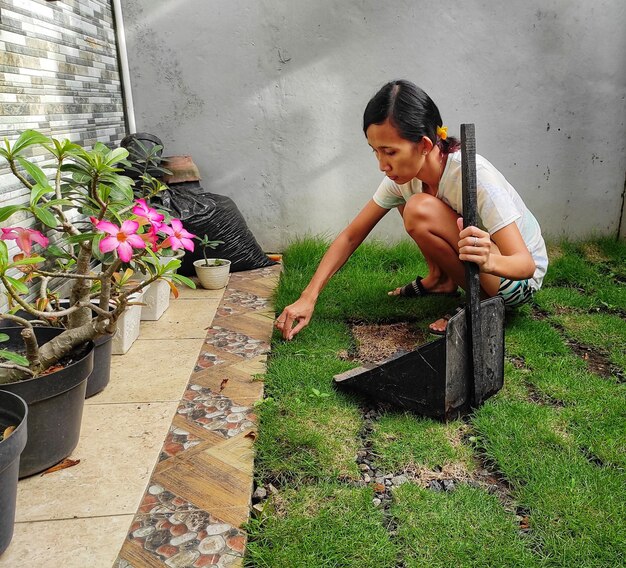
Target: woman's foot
[[439, 327], [426, 287]]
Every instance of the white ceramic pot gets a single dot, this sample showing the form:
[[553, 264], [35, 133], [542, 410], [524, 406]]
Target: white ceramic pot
[[212, 276], [128, 327], [156, 300]]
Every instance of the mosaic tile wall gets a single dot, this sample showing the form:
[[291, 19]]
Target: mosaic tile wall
[[58, 74]]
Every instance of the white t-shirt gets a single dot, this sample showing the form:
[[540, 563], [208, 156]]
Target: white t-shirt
[[498, 205]]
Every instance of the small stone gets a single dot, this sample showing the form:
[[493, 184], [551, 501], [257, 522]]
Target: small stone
[[259, 493], [376, 501], [380, 480], [143, 532], [361, 454], [448, 484], [257, 509], [211, 544], [366, 478], [207, 561], [183, 559], [182, 539], [434, 486], [237, 543], [364, 467], [388, 476], [179, 530], [197, 520], [399, 480], [272, 489], [388, 482], [157, 539], [155, 490], [167, 550]]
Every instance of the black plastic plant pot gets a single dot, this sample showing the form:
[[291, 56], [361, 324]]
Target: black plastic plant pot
[[13, 412], [55, 403], [101, 373]]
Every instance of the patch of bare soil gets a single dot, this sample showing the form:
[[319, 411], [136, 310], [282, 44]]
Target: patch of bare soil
[[377, 342], [597, 362]]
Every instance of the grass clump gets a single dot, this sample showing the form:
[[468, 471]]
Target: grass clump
[[322, 526], [402, 440], [467, 527]]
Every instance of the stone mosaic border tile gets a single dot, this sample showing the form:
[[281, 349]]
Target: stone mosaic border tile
[[199, 493]]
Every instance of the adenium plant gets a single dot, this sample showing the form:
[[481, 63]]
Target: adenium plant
[[97, 235]]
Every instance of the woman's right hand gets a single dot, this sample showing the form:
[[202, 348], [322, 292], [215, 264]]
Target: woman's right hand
[[294, 317]]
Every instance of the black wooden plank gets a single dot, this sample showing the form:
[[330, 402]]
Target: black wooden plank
[[472, 277]]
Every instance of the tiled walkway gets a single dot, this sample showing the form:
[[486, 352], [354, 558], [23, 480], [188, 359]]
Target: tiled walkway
[[117, 508]]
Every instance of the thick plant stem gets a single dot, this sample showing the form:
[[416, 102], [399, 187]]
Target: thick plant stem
[[80, 291], [53, 350], [33, 353]]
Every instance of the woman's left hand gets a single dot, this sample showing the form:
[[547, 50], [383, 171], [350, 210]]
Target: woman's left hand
[[474, 246]]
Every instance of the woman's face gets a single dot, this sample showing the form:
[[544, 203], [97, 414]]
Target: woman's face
[[400, 159]]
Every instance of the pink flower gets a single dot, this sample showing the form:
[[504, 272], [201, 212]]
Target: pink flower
[[24, 238], [141, 209], [123, 239], [177, 236], [151, 237]]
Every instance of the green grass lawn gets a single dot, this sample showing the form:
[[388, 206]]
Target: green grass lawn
[[535, 477]]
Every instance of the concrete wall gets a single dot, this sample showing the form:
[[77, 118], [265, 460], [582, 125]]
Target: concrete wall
[[267, 96]]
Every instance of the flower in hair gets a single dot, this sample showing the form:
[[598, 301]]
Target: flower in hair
[[442, 132]]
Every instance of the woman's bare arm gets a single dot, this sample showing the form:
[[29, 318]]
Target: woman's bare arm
[[297, 315]]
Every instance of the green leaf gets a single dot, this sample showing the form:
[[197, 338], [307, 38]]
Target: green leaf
[[180, 279], [54, 202], [4, 257], [35, 172], [95, 246], [82, 237], [172, 265], [45, 216], [27, 260], [6, 212], [116, 155], [28, 138], [4, 337], [37, 192], [19, 286], [14, 357], [57, 252]]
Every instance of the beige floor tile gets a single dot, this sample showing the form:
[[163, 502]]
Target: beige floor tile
[[119, 446], [67, 543], [183, 319], [199, 293], [159, 371]]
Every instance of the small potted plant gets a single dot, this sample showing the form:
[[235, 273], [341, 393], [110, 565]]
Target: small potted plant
[[211, 272]]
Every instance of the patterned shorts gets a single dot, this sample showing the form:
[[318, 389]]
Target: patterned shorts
[[515, 292]]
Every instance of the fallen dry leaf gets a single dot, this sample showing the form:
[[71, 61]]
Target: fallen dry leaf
[[223, 384], [252, 435], [524, 523], [7, 432], [62, 465]]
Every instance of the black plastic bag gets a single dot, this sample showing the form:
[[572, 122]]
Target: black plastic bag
[[205, 213]]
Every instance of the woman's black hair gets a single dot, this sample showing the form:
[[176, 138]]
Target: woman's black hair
[[410, 110]]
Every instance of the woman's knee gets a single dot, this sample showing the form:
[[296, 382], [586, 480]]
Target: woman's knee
[[423, 212]]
